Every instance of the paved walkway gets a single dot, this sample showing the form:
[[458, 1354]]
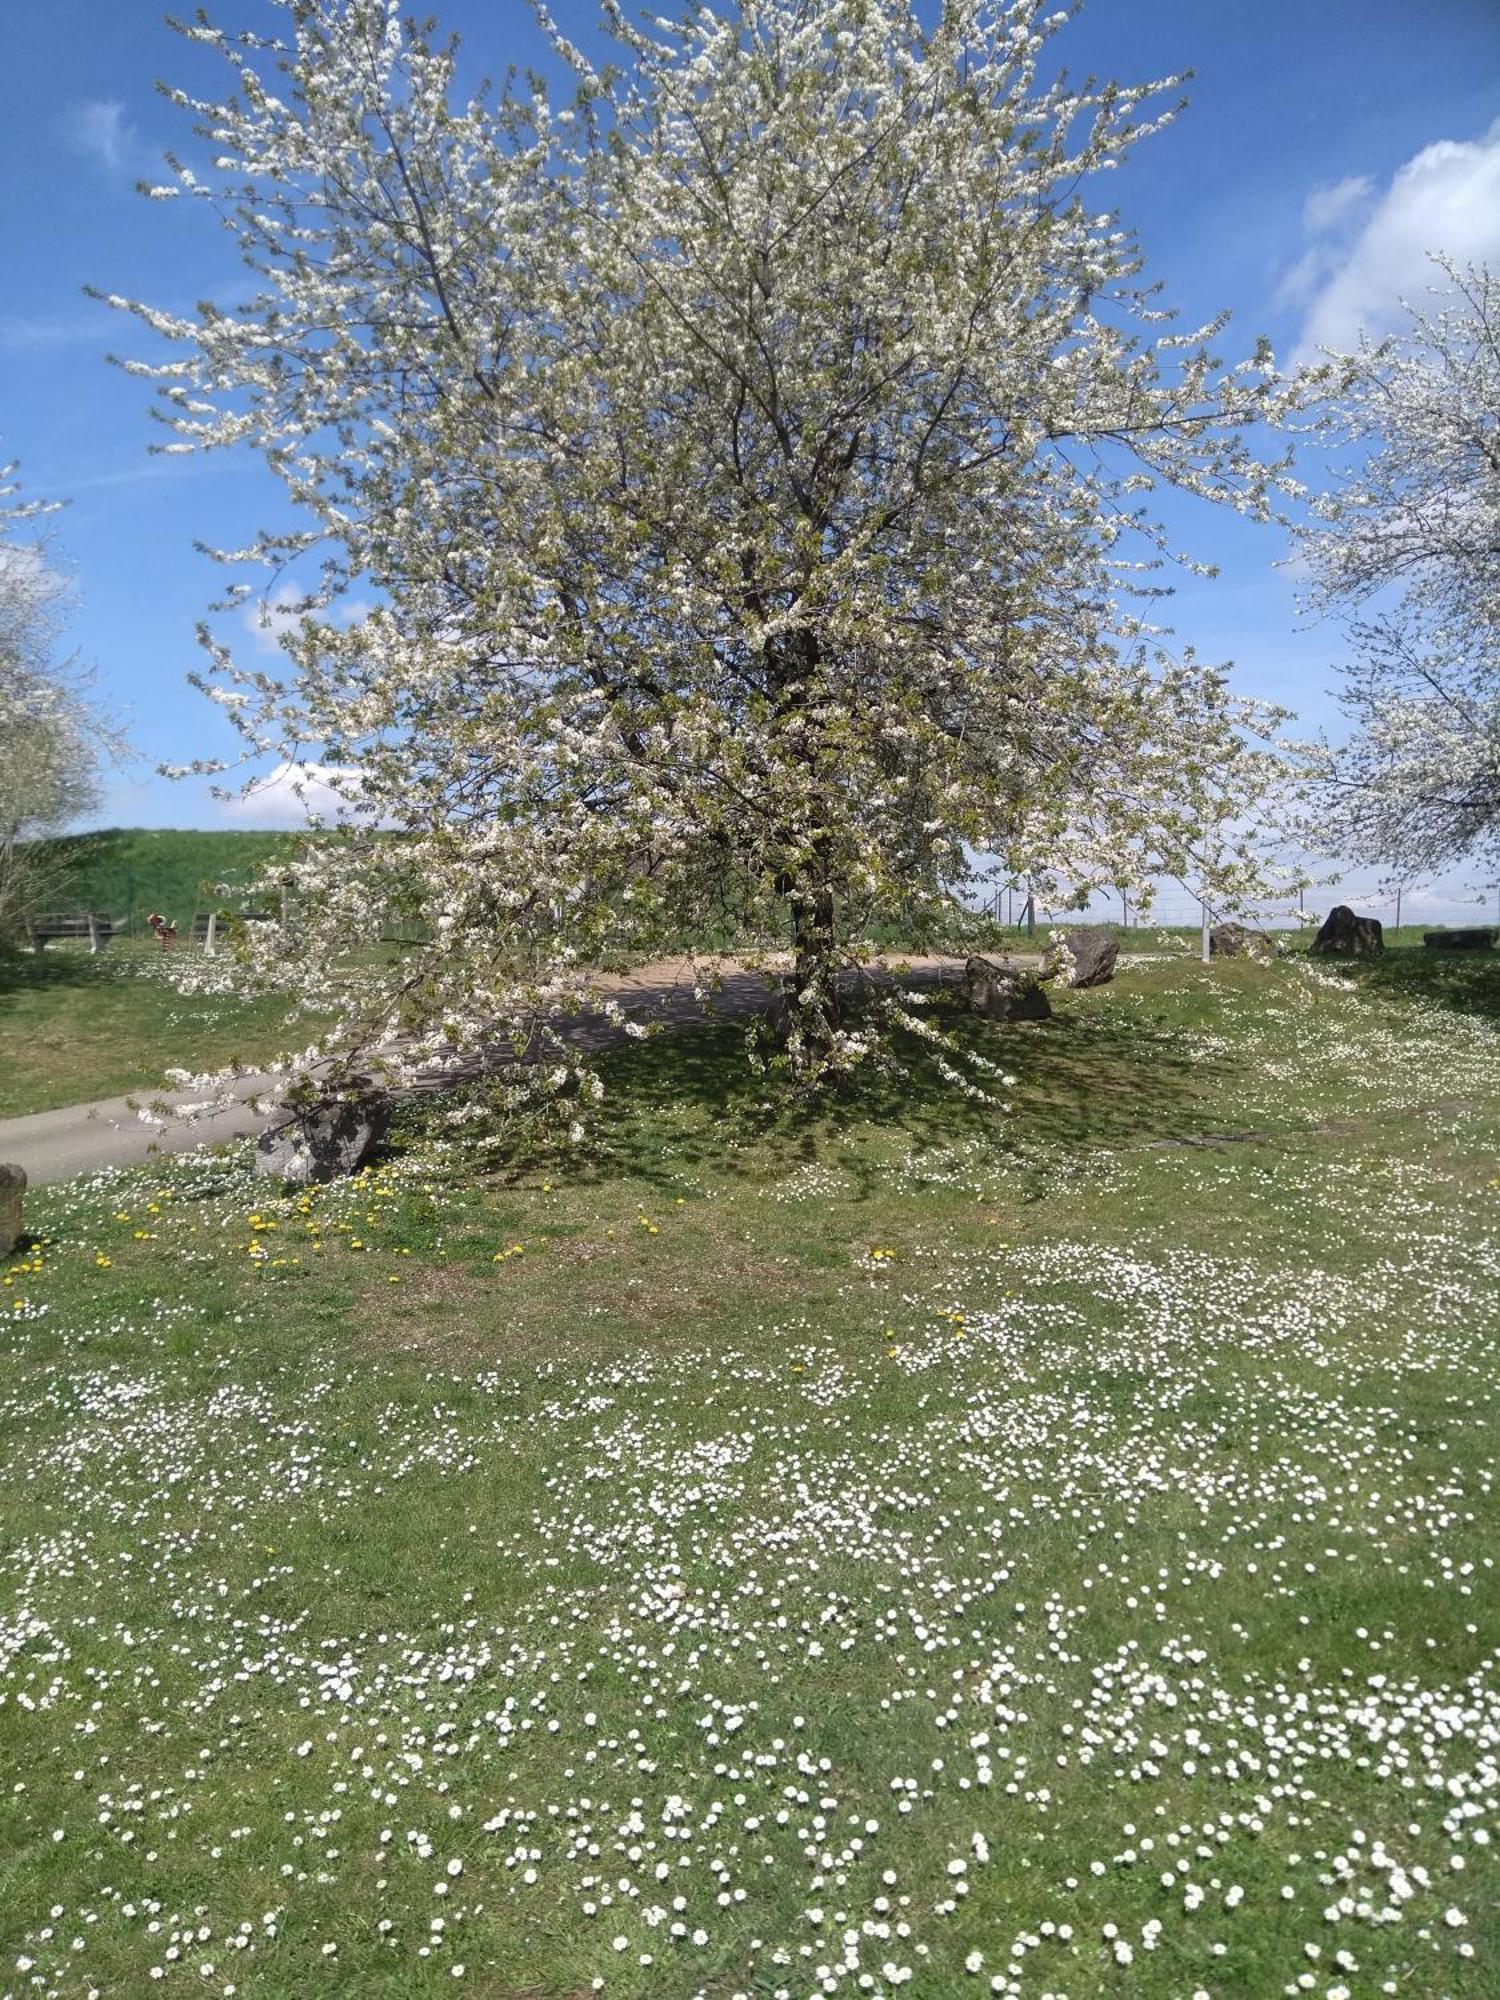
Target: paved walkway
[[82, 1138]]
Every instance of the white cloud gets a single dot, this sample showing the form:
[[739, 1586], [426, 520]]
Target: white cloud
[[100, 129], [292, 794], [1369, 256]]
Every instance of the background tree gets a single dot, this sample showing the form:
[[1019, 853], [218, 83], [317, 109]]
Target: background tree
[[51, 740], [1408, 546], [753, 455]]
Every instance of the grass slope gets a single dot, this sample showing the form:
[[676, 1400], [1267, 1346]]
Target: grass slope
[[128, 872], [889, 1550]]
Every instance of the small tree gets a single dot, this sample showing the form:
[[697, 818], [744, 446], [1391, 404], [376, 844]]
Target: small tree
[[1416, 517], [752, 455], [50, 738]]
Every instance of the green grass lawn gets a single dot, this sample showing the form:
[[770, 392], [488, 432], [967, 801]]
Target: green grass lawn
[[901, 1548], [75, 1027]]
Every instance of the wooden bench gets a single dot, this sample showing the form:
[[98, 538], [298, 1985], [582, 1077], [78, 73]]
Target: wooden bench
[[90, 924]]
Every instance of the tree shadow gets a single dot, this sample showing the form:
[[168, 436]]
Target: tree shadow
[[1081, 1082], [1465, 982], [56, 970]]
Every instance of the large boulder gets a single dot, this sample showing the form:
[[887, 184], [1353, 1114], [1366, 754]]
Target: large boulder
[[1093, 950], [1000, 993], [12, 1187], [1238, 941], [327, 1143], [1476, 937], [1344, 935]]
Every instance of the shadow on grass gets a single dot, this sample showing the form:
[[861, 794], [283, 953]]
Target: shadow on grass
[[54, 971], [1082, 1081], [1466, 982]]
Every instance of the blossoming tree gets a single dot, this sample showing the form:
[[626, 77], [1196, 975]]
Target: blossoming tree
[[751, 457], [51, 739], [1416, 513]]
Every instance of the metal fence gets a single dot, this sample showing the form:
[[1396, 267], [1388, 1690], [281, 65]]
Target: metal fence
[[1174, 907]]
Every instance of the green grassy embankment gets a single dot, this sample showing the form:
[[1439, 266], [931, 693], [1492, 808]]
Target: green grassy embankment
[[127, 872]]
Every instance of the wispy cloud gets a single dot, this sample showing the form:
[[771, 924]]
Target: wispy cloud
[[1327, 207], [1329, 215], [1369, 249], [19, 335], [100, 129], [132, 475]]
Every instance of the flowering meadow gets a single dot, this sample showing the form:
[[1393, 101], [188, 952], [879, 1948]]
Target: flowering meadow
[[890, 1548]]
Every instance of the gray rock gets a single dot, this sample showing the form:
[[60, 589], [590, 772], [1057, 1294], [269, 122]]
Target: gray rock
[[1475, 937], [1238, 941], [1344, 935], [12, 1187], [1094, 950], [325, 1144], [1003, 995]]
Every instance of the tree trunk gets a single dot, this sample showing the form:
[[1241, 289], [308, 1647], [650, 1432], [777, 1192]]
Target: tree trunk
[[813, 938], [813, 1000]]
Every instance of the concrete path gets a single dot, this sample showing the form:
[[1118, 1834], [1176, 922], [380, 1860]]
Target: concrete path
[[82, 1138]]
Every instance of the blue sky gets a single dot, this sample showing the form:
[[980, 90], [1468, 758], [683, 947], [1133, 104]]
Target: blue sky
[[1325, 148]]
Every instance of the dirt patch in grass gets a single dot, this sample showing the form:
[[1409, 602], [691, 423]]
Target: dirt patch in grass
[[578, 1289], [429, 1315], [681, 1299], [433, 1284]]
